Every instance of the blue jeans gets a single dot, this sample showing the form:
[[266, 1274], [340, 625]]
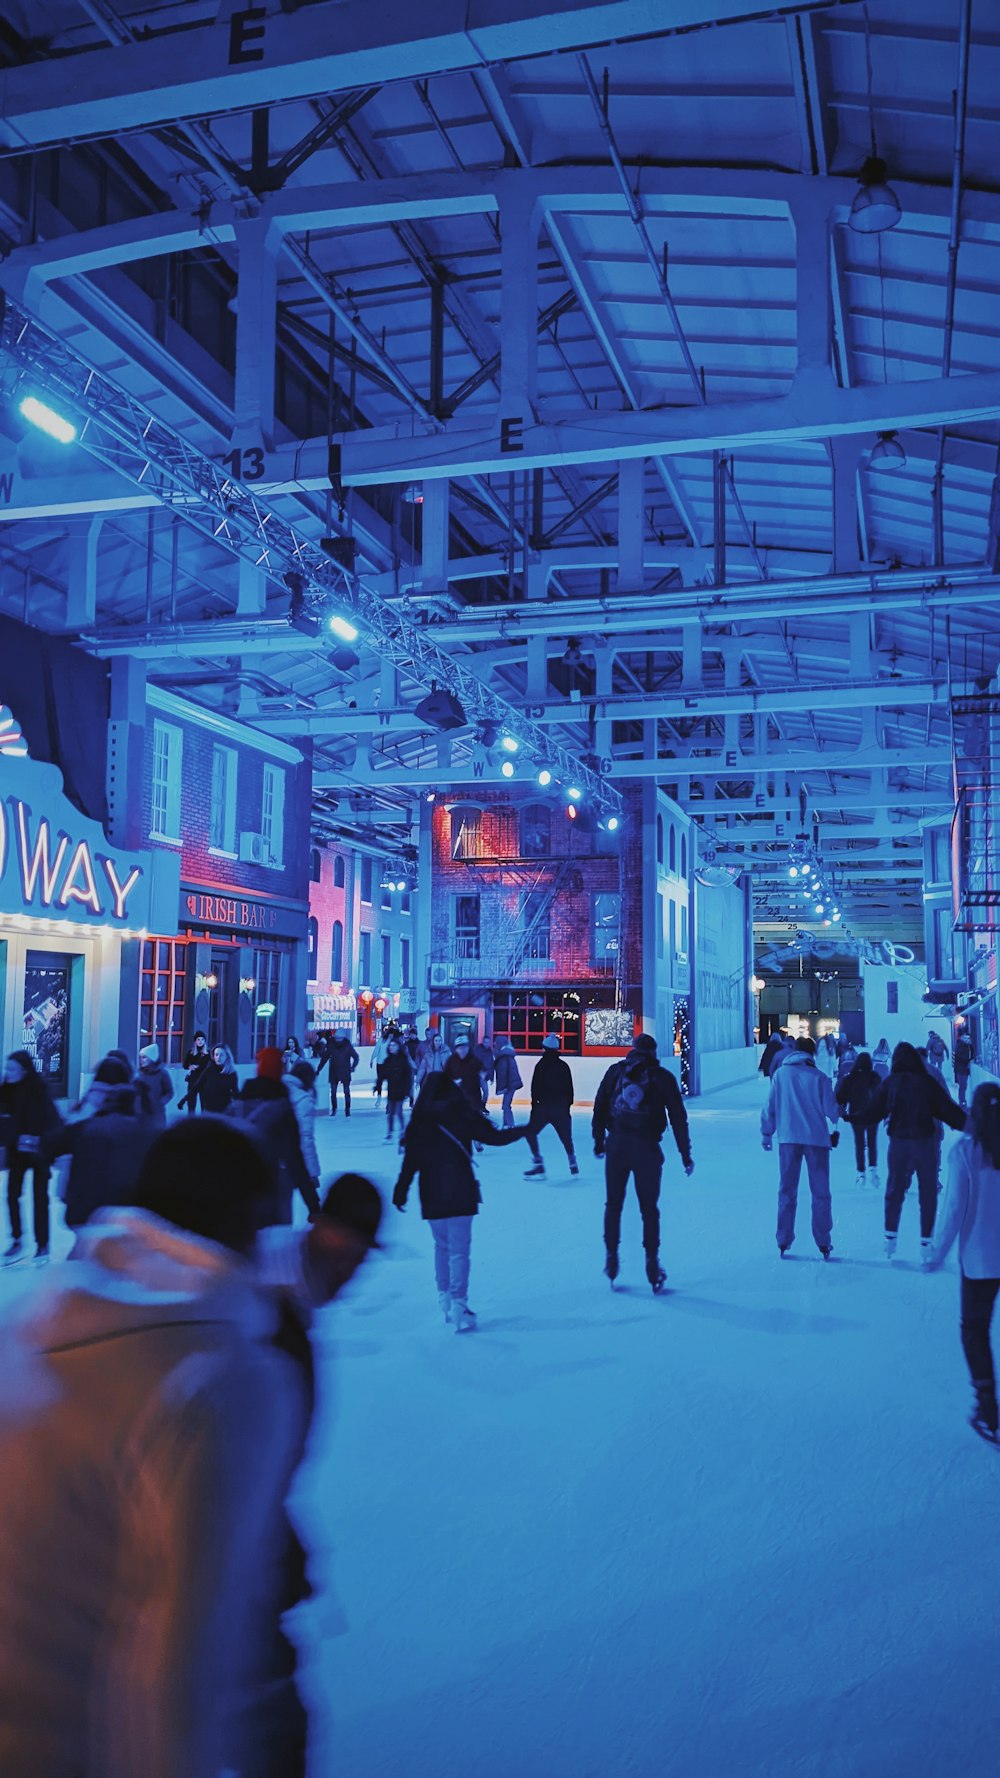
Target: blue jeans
[[507, 1098], [452, 1251], [790, 1158]]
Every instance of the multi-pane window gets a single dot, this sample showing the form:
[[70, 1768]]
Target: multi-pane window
[[604, 921], [405, 901], [367, 879], [386, 960], [165, 810], [525, 1018], [222, 809], [466, 926], [337, 952], [404, 962], [267, 976], [672, 846], [161, 1003], [339, 871], [466, 841], [536, 830], [365, 958], [272, 813]]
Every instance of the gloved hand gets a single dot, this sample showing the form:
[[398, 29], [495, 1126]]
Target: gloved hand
[[599, 1150], [399, 1197], [689, 1168], [834, 1138], [765, 1143]]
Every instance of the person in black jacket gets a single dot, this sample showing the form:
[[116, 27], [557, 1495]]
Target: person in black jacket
[[437, 1147], [551, 1103], [633, 1104], [854, 1096], [107, 1150], [265, 1110], [27, 1117], [462, 1067], [777, 1041], [219, 1083], [397, 1071], [910, 1102], [343, 1058], [195, 1063]]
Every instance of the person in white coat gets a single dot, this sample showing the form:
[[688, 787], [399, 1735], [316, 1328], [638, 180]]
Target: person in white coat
[[800, 1106], [148, 1433], [970, 1214], [301, 1086]]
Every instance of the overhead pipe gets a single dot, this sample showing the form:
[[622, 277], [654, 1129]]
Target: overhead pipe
[[954, 241]]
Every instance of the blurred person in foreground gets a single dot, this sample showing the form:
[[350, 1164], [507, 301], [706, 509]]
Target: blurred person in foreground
[[149, 1428], [970, 1214], [264, 1107]]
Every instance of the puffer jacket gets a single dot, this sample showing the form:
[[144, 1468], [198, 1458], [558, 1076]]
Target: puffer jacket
[[107, 1151], [397, 1072], [304, 1106], [508, 1076], [801, 1103], [142, 1401], [856, 1093]]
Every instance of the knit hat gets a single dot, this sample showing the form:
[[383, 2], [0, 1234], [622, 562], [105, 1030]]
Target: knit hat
[[645, 1042], [113, 1072], [463, 1037], [551, 1042], [270, 1063], [150, 1053], [353, 1200]]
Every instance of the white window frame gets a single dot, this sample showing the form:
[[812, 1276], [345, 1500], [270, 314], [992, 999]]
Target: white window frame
[[165, 802], [224, 769], [272, 814]]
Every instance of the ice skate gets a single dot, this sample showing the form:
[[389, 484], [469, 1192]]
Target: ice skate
[[574, 1166], [783, 1248], [656, 1275], [463, 1318], [611, 1265], [926, 1249], [12, 1254], [826, 1252], [41, 1256], [535, 1171], [444, 1303], [984, 1418], [890, 1246], [873, 1179], [860, 1180]]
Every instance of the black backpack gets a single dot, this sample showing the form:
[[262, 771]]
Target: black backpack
[[635, 1108]]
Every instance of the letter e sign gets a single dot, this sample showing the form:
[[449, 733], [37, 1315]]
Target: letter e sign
[[510, 434], [244, 32]]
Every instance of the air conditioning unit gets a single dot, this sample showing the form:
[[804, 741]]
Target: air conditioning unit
[[254, 849], [442, 975]]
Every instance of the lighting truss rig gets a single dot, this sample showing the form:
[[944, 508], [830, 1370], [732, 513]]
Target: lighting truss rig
[[117, 430]]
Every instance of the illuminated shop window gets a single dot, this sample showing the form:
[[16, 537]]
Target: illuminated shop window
[[523, 1018], [161, 997]]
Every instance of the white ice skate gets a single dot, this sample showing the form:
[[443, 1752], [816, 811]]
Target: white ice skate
[[444, 1302], [890, 1246], [463, 1317], [873, 1179], [860, 1180], [926, 1249]]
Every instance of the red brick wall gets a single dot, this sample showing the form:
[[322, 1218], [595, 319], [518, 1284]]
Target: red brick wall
[[327, 904]]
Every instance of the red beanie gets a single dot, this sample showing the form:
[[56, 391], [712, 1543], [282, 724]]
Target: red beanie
[[270, 1064]]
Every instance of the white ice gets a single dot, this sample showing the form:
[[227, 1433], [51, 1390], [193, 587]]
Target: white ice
[[742, 1529]]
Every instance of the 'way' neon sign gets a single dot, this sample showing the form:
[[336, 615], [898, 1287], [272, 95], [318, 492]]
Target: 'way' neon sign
[[54, 862]]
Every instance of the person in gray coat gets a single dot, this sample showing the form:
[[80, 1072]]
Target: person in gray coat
[[507, 1080], [970, 1214], [800, 1105]]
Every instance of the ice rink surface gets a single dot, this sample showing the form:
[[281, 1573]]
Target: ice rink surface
[[739, 1531]]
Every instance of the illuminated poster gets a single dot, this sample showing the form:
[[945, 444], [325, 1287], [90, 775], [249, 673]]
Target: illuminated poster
[[45, 1030]]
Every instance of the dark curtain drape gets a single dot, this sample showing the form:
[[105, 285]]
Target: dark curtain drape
[[61, 698]]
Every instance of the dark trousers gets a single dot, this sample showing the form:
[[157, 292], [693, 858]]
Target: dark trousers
[[817, 1160], [629, 1157], [962, 1083], [334, 1084], [865, 1134], [379, 1080], [394, 1110], [561, 1121], [978, 1298], [19, 1166], [507, 1098], [909, 1155]]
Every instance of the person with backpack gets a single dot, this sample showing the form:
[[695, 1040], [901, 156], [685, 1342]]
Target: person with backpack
[[854, 1096], [970, 1213], [634, 1103], [912, 1102], [962, 1063], [507, 1080], [800, 1105], [551, 1103]]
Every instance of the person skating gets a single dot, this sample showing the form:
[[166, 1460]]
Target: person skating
[[634, 1103], [291, 1055], [398, 1073], [264, 1108], [27, 1117], [962, 1063], [551, 1103], [854, 1096], [910, 1102], [154, 1088], [342, 1060], [462, 1069], [437, 1150], [107, 1150], [800, 1106], [881, 1058], [508, 1081], [195, 1062], [970, 1213], [487, 1068], [433, 1059], [219, 1083], [300, 1084], [776, 1042]]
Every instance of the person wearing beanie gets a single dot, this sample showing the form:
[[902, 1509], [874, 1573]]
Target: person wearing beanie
[[114, 1070], [265, 1109], [507, 1080], [462, 1068], [634, 1103], [551, 1103], [153, 1086]]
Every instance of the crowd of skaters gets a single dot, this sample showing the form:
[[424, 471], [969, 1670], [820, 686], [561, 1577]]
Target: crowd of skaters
[[185, 1244]]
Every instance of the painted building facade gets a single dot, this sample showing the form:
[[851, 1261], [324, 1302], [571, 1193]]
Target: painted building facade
[[363, 960]]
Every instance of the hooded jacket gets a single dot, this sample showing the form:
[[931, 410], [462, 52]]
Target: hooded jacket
[[912, 1102], [552, 1082], [507, 1078], [303, 1101], [666, 1104], [107, 1151], [141, 1400], [437, 1145], [800, 1104], [342, 1058]]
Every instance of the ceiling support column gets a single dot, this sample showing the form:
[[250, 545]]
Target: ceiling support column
[[253, 402]]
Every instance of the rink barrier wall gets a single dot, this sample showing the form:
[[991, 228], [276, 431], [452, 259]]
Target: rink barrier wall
[[723, 1068]]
